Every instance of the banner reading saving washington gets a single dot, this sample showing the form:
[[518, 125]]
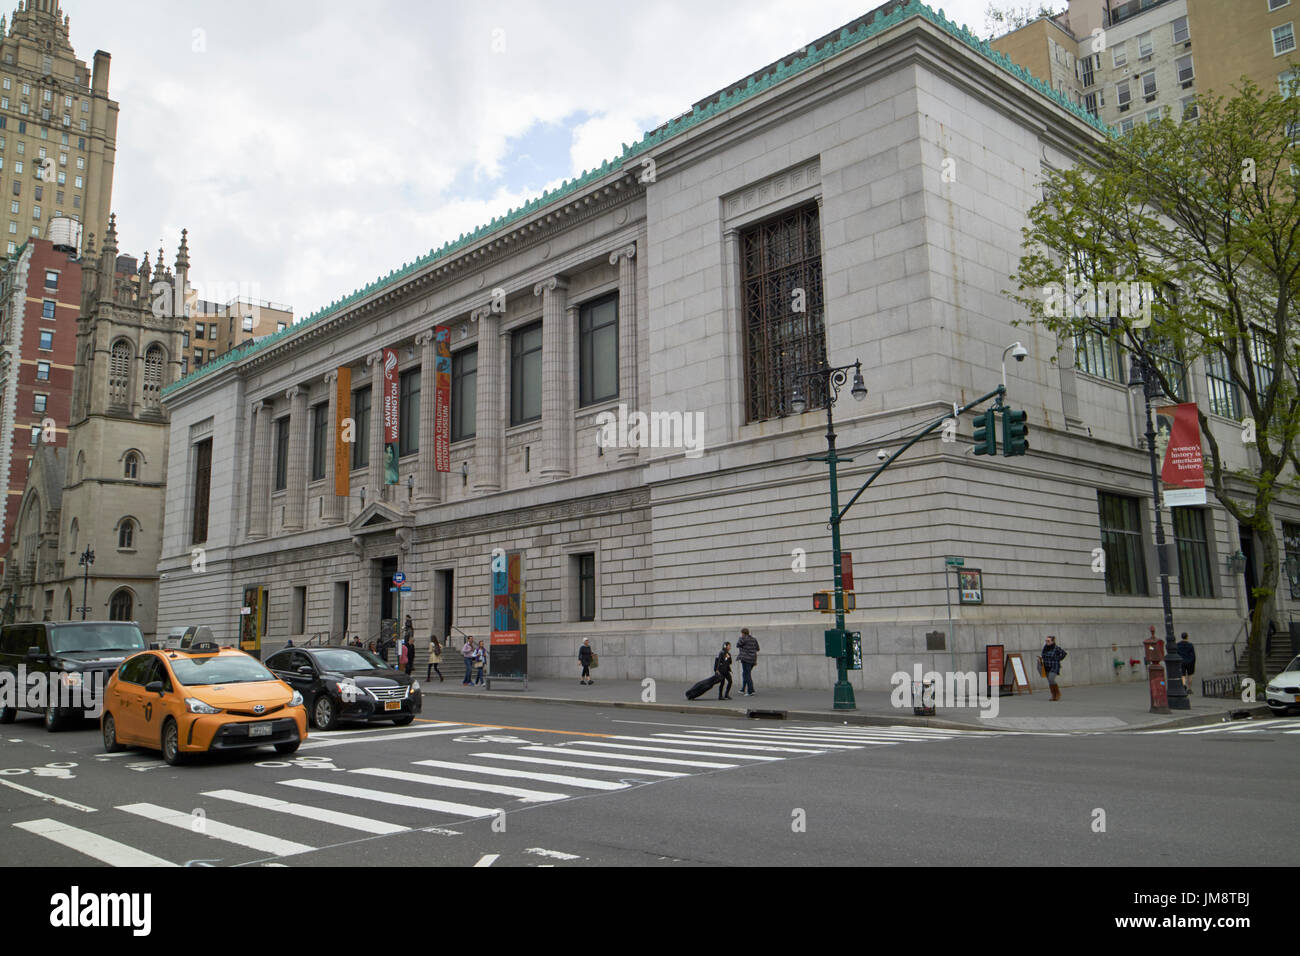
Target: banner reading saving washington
[[392, 395], [1178, 430], [442, 408]]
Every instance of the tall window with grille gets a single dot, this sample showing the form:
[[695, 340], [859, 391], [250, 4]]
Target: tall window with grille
[[119, 374], [1193, 553], [1094, 354], [408, 413], [281, 454], [1261, 358], [1121, 541], [153, 375], [202, 490], [320, 439], [1224, 397], [784, 312], [1291, 561]]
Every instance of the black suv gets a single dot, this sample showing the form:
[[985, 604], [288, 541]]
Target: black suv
[[74, 660]]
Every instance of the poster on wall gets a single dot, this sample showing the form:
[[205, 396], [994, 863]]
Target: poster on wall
[[970, 584], [251, 622], [509, 656], [1178, 446], [442, 408], [342, 442], [392, 396]]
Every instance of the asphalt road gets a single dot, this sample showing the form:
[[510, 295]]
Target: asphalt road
[[510, 784]]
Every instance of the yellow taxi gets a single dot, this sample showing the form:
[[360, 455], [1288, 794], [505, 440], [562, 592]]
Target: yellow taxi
[[199, 699]]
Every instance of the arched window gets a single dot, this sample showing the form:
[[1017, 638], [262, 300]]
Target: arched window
[[73, 534], [153, 374], [126, 536], [132, 467], [119, 374], [120, 606], [81, 465]]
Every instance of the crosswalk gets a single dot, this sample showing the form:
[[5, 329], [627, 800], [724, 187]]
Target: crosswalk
[[278, 818], [1281, 725]]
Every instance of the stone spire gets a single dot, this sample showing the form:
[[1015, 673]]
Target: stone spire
[[183, 253], [110, 237], [144, 271]]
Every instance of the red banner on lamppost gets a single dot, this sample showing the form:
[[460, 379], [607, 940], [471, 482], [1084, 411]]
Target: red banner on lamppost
[[442, 408], [1178, 441], [392, 397]]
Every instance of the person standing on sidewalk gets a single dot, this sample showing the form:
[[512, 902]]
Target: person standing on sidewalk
[[584, 657], [435, 658], [1188, 653], [722, 667], [404, 656], [467, 652], [748, 651], [1052, 657], [480, 662]]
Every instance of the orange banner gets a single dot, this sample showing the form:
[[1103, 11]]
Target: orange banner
[[343, 447]]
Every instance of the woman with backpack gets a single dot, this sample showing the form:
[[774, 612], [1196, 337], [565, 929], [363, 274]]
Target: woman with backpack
[[435, 658], [584, 657]]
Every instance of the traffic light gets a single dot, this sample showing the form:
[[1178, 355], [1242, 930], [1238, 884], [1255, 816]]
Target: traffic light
[[1015, 432], [986, 433]]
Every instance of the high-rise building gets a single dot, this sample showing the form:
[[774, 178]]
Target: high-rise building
[[58, 127]]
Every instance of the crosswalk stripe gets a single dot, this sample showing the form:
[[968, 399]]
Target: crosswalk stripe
[[851, 732], [1231, 728], [579, 765], [711, 741], [793, 737], [397, 799], [675, 750], [525, 775], [331, 741], [528, 796], [216, 830], [364, 824], [444, 724], [780, 743], [538, 748], [91, 844]]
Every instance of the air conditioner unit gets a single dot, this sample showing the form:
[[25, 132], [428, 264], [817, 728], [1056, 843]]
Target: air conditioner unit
[[1187, 45], [1143, 59], [1124, 108], [1149, 99], [1187, 84]]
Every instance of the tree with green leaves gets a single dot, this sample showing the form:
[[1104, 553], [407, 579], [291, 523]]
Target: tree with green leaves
[[1005, 19], [1180, 241]]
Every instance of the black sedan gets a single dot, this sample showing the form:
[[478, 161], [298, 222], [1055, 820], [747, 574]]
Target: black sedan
[[347, 683]]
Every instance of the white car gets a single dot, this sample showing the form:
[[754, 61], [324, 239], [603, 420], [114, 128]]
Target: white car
[[1283, 691]]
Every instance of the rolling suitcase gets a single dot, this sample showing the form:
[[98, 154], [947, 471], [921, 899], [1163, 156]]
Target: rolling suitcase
[[708, 683]]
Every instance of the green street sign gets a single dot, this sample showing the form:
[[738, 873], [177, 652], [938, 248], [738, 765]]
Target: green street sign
[[952, 562]]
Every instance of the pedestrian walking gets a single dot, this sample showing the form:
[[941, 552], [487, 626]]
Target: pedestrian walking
[[435, 658], [1051, 660], [404, 656], [410, 656], [722, 667], [480, 662], [467, 651], [1188, 653], [585, 656], [408, 630], [747, 650]]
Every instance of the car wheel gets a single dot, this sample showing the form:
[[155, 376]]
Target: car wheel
[[323, 713], [109, 728], [54, 721], [287, 748], [402, 721], [171, 743], [7, 714]]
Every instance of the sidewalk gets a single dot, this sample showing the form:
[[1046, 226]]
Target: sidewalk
[[1098, 707]]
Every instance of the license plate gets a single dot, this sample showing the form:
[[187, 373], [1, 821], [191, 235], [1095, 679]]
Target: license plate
[[392, 705], [259, 730]]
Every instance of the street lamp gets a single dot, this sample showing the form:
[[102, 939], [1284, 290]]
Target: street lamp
[[86, 560], [835, 378], [1142, 375]]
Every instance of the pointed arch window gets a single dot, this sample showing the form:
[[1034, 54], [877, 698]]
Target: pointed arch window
[[119, 373], [126, 537], [153, 369], [73, 533], [120, 606], [131, 469]]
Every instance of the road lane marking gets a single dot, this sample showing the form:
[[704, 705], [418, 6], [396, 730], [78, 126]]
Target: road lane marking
[[527, 796], [397, 799], [349, 820], [775, 741], [604, 755], [330, 734], [540, 730], [646, 771], [316, 742], [552, 854], [488, 859], [525, 774], [91, 844], [714, 741], [692, 753], [216, 830], [48, 796]]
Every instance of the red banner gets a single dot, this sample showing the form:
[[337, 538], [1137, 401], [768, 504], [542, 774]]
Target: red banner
[[442, 408], [1178, 440], [392, 398]]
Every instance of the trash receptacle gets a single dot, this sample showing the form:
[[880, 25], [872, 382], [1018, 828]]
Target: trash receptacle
[[923, 698]]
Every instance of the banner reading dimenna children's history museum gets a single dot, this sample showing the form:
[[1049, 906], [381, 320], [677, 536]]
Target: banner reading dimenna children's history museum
[[392, 396], [442, 408]]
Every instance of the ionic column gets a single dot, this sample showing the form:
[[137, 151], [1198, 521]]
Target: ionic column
[[625, 259], [490, 423], [428, 485], [378, 490], [295, 499], [260, 501], [333, 503], [557, 384]]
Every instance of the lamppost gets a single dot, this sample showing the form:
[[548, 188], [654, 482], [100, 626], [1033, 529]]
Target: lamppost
[[86, 560], [1142, 375], [835, 379]]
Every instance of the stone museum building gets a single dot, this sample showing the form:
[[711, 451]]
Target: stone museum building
[[860, 200]]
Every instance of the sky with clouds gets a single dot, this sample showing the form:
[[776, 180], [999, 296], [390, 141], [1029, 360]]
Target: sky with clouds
[[312, 146]]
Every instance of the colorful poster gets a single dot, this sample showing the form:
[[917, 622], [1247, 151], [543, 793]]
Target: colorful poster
[[970, 582], [442, 408], [342, 442], [1178, 445], [392, 398], [509, 636]]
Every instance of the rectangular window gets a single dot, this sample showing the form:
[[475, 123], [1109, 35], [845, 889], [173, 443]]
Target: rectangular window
[[1261, 356], [408, 413], [1117, 55], [1084, 67], [298, 622], [1190, 109], [248, 323], [1144, 46], [42, 371], [36, 434], [1193, 553], [1272, 5], [51, 279], [36, 212], [185, 340], [202, 490], [464, 393], [1283, 39], [1185, 71], [598, 351], [1291, 563], [77, 182], [1224, 398], [1090, 103], [47, 340], [320, 439], [1121, 539], [1094, 353], [185, 366], [47, 309], [281, 453], [526, 374], [587, 587], [1122, 95], [198, 357], [39, 402], [1181, 34], [361, 431], [781, 262], [199, 329], [1149, 83], [1286, 82]]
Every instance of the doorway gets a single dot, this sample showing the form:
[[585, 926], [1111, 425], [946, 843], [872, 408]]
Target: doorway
[[387, 606], [1247, 539], [444, 602], [340, 629]]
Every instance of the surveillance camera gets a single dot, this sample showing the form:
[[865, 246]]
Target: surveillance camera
[[881, 454], [1019, 352]]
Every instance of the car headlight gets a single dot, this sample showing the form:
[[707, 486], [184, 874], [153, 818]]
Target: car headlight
[[296, 700], [197, 706], [415, 687]]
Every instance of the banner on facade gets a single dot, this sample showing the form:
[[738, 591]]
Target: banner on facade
[[342, 446], [509, 656], [442, 408], [252, 622], [1178, 445], [392, 396]]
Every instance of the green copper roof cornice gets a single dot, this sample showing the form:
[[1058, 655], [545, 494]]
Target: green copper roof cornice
[[727, 100]]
